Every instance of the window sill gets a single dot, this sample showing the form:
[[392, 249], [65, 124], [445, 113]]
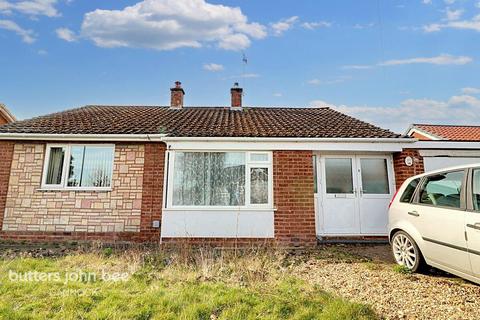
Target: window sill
[[256, 209], [73, 189]]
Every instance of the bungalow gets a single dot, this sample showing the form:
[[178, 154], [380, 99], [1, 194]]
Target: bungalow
[[202, 174]]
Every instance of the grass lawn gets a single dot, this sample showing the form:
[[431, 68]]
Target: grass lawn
[[180, 284]]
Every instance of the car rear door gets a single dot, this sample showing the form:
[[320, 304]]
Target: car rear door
[[438, 212], [472, 222]]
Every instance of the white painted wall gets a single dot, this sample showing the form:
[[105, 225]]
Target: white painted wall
[[434, 163], [209, 223]]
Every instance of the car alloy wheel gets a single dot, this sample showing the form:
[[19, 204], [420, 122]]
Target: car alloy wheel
[[405, 251]]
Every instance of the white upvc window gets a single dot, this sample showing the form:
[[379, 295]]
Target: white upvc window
[[219, 179], [78, 166]]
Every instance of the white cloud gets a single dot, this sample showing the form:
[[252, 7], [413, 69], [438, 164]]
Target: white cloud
[[470, 90], [171, 24], [321, 103], [443, 59], [42, 52], [449, 1], [31, 7], [364, 26], [249, 75], [462, 109], [477, 4], [283, 25], [356, 67], [452, 15], [472, 24], [278, 94], [213, 67], [317, 82], [427, 1], [316, 25], [243, 75], [66, 34], [27, 35]]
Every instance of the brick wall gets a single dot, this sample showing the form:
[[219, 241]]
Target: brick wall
[[6, 155], [29, 209], [293, 197], [152, 199], [402, 171]]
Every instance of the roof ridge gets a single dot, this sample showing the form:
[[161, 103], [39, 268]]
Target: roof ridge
[[200, 106]]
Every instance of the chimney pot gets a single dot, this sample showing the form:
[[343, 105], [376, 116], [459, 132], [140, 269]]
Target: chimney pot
[[176, 96], [236, 93]]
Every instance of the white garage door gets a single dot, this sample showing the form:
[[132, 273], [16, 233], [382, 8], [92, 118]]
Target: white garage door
[[434, 163]]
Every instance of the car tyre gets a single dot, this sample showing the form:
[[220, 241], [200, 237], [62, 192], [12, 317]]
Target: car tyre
[[406, 252]]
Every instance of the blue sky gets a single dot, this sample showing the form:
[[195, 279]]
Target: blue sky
[[388, 62]]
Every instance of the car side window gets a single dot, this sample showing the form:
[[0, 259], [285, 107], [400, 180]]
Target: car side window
[[409, 191], [442, 189], [476, 189]]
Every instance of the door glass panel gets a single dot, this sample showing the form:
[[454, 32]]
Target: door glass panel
[[338, 175], [409, 191], [374, 176], [443, 189]]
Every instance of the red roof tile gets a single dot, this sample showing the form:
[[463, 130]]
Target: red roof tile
[[451, 132]]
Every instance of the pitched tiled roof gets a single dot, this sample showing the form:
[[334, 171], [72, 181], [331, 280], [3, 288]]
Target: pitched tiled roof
[[201, 122], [451, 132]]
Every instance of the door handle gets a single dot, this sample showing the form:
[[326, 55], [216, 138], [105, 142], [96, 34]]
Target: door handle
[[414, 213], [474, 226]]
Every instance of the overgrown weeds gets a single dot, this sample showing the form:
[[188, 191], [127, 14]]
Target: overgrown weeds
[[176, 283]]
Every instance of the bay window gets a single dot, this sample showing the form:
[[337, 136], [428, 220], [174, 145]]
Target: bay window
[[78, 167], [219, 179]]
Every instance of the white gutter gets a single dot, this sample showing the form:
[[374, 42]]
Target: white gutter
[[164, 137], [81, 137], [446, 145], [267, 139]]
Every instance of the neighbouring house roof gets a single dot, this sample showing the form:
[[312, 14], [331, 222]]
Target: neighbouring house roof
[[444, 132], [201, 122], [6, 114]]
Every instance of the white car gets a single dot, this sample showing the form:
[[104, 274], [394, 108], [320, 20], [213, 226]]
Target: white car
[[434, 219]]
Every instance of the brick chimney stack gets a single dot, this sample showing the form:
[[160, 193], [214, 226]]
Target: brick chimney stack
[[237, 93], [177, 93]]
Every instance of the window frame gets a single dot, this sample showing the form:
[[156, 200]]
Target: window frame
[[169, 180], [469, 196], [63, 186], [463, 192], [414, 193]]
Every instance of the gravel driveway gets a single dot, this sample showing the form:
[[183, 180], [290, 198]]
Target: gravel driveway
[[366, 274]]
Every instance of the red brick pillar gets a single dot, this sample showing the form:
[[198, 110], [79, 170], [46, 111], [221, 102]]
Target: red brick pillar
[[293, 198], [152, 195], [6, 156], [402, 171]]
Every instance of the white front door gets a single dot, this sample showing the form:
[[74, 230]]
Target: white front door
[[339, 189], [355, 192], [375, 193]]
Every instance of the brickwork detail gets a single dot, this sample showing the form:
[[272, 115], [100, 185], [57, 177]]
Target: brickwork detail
[[6, 155], [294, 198], [30, 209], [402, 171], [152, 199]]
